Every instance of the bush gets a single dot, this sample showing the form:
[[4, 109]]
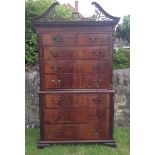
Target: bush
[[123, 29], [34, 9], [121, 59]]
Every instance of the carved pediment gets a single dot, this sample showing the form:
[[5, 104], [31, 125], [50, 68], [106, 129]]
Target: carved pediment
[[50, 16], [102, 15]]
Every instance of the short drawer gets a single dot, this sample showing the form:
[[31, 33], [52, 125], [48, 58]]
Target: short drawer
[[83, 81], [77, 100], [94, 39], [76, 66], [59, 39], [76, 131], [75, 39], [72, 115], [97, 52]]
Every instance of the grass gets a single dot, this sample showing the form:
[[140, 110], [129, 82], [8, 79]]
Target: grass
[[121, 136]]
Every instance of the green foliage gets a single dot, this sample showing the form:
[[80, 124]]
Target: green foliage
[[123, 29], [31, 55], [121, 136], [121, 59], [34, 9], [62, 12]]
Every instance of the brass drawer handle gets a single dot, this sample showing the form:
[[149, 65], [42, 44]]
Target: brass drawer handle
[[98, 80], [97, 114], [97, 131], [57, 117], [58, 133], [92, 40], [53, 54], [97, 67], [96, 83], [56, 81], [57, 39], [97, 53], [97, 100], [56, 68], [60, 100]]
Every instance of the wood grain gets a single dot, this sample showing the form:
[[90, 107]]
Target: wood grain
[[75, 39], [85, 131], [95, 52], [77, 100]]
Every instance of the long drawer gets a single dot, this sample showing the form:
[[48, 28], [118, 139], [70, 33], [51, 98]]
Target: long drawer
[[72, 115], [76, 66], [80, 81], [97, 52], [75, 39], [77, 100], [76, 131]]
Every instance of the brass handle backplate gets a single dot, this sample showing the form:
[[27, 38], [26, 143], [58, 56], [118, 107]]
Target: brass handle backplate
[[56, 68], [98, 100], [57, 39], [53, 54], [59, 100], [57, 83], [92, 40], [97, 67], [97, 53], [97, 131]]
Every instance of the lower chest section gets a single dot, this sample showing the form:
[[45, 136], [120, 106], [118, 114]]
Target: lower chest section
[[76, 116]]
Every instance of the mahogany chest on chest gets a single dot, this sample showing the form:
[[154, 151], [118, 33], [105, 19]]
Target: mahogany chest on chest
[[76, 93]]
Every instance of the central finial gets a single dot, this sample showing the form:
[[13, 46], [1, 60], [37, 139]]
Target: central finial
[[76, 9]]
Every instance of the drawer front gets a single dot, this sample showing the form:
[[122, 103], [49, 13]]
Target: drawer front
[[94, 39], [76, 66], [77, 81], [75, 132], [73, 115], [97, 52], [59, 39], [75, 39], [77, 100]]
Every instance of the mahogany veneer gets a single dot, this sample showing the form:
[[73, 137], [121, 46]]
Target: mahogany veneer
[[76, 94]]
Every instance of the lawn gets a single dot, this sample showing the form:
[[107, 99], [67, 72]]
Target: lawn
[[121, 135]]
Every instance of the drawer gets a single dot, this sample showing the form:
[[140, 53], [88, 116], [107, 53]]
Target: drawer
[[82, 81], [76, 66], [76, 131], [72, 115], [75, 39], [94, 39], [59, 39], [97, 52], [77, 100]]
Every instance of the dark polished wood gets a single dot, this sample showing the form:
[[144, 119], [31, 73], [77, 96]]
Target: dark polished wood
[[72, 115], [76, 66], [76, 95], [42, 144], [75, 39], [81, 81], [95, 52], [77, 100], [78, 131]]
